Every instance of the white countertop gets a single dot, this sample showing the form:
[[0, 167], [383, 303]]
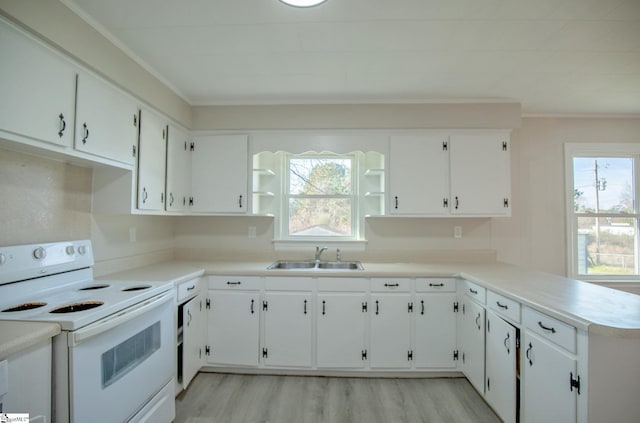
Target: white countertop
[[17, 336], [584, 305]]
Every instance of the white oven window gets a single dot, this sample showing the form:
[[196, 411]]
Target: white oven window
[[126, 356]]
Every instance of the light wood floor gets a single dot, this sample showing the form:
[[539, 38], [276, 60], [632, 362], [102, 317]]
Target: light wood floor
[[225, 398]]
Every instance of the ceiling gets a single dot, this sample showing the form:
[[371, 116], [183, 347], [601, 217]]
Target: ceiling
[[552, 56]]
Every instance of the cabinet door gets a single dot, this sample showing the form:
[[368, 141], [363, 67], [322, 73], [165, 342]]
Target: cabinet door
[[480, 174], [341, 327], [178, 170], [501, 386], [287, 329], [233, 328], [152, 161], [106, 120], [546, 371], [435, 333], [37, 89], [419, 174], [219, 174], [192, 338], [391, 331], [471, 342]]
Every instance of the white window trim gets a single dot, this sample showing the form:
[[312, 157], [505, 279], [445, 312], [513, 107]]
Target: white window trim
[[572, 150]]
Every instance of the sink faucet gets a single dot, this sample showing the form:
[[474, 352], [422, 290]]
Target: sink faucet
[[319, 252]]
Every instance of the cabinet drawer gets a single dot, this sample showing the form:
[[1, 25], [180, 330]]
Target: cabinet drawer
[[475, 291], [391, 285], [343, 284], [504, 306], [188, 289], [550, 328], [435, 285], [244, 283], [288, 284]]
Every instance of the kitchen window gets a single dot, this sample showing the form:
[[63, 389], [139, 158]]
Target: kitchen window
[[320, 197], [602, 211]]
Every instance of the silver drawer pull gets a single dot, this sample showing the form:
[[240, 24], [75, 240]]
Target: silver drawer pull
[[473, 291], [233, 283], [502, 306]]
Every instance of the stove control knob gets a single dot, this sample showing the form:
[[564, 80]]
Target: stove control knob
[[2, 259], [82, 250], [70, 250], [39, 253]]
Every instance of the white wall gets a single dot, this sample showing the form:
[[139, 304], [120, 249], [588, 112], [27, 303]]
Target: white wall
[[535, 237]]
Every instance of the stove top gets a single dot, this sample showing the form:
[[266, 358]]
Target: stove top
[[70, 296]]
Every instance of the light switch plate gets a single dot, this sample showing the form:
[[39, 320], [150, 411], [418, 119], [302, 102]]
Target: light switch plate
[[457, 231]]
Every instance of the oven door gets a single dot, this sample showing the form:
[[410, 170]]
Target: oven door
[[119, 364]]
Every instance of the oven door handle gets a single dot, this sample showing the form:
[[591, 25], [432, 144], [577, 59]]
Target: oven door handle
[[82, 335]]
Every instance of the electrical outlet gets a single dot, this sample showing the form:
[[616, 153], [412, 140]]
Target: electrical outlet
[[132, 234], [457, 231], [252, 231]]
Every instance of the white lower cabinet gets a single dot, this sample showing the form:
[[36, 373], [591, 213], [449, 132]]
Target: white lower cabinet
[[341, 327], [193, 318], [435, 311], [391, 331], [233, 329], [549, 371], [287, 329], [501, 362], [29, 377], [435, 331], [471, 339]]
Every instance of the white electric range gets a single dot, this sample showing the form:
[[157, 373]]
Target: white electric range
[[114, 359]]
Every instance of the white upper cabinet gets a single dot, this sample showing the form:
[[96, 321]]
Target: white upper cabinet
[[178, 170], [106, 120], [450, 173], [37, 90], [152, 161], [418, 174], [480, 169], [219, 174]]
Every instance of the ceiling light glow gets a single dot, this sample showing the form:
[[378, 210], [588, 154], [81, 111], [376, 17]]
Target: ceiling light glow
[[303, 3]]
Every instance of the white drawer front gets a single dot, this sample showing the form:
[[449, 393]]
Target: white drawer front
[[550, 328], [504, 306], [475, 291], [240, 283], [435, 285], [391, 285], [343, 284], [188, 289], [289, 284]]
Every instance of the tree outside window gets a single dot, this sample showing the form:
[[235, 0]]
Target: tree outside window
[[320, 196]]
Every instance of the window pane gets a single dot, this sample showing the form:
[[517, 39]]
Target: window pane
[[603, 184], [323, 176], [319, 217], [606, 246]]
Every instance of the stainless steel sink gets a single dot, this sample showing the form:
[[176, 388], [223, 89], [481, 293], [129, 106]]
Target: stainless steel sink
[[292, 265], [340, 265], [312, 265]]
